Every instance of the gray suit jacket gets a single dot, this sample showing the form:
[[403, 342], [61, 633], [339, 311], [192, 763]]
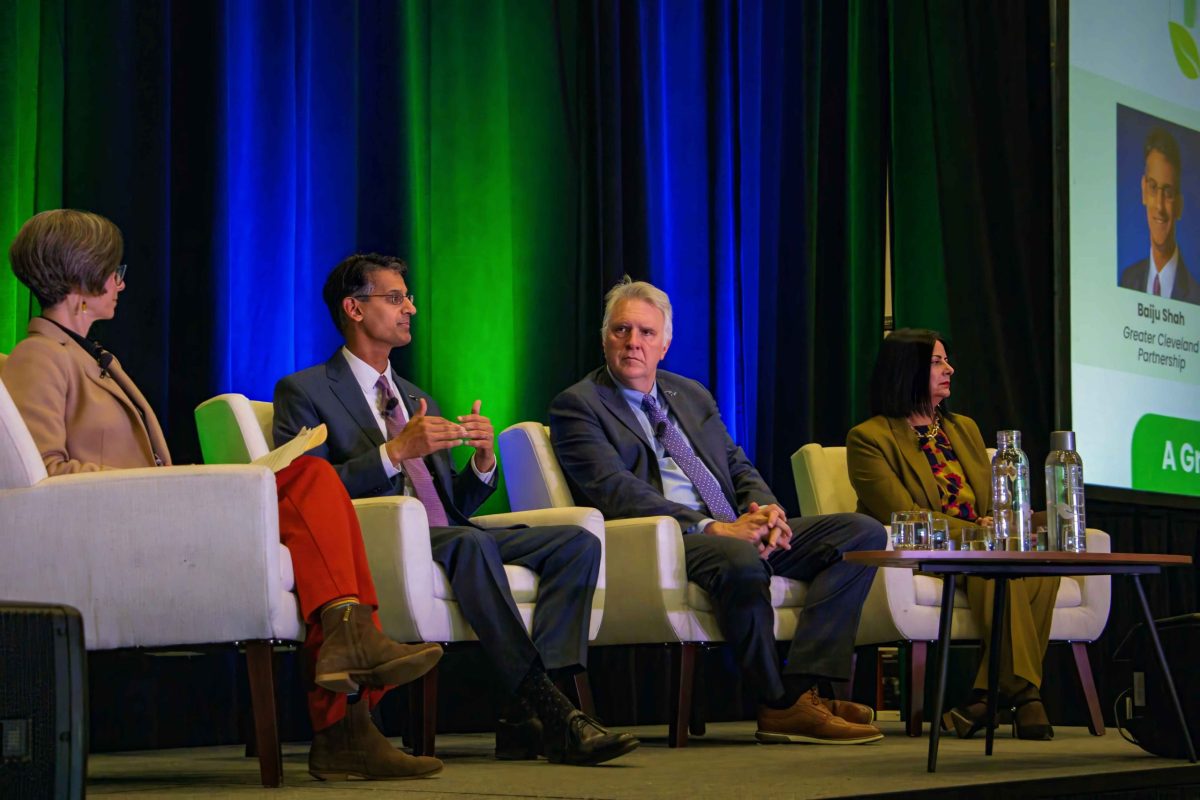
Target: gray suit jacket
[[328, 393], [610, 465], [1186, 288]]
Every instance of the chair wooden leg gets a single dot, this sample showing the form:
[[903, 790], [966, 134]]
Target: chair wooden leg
[[914, 698], [422, 702], [697, 722], [1084, 667], [683, 670], [583, 692], [262, 701]]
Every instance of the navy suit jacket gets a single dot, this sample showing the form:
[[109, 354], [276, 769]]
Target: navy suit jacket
[[329, 393], [1186, 288], [610, 465]]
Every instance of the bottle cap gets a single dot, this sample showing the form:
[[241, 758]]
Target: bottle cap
[[1062, 440]]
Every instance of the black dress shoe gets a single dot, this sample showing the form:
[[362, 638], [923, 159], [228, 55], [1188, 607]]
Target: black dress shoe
[[519, 740], [581, 741]]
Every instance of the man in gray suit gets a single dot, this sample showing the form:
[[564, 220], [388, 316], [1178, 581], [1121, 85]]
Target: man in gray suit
[[1163, 198], [637, 441], [388, 437]]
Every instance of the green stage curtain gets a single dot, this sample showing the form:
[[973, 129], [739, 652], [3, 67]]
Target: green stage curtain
[[31, 99]]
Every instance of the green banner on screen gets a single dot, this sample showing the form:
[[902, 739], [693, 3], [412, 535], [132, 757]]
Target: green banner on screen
[[1166, 455]]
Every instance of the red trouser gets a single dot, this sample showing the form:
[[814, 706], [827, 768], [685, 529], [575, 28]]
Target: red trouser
[[318, 526]]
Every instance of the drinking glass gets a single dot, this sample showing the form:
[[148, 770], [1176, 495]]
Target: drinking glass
[[939, 539], [978, 538], [1041, 539], [910, 530]]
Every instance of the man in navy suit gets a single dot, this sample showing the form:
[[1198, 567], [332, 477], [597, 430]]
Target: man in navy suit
[[1163, 198], [637, 441], [387, 437]]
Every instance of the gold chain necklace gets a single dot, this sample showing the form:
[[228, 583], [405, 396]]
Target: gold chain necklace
[[932, 431]]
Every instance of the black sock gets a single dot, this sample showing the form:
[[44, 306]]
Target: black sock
[[551, 705], [794, 686]]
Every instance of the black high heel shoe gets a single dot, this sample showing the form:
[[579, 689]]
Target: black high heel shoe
[[970, 717], [1032, 723]]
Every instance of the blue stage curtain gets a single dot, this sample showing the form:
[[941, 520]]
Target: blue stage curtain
[[287, 212], [691, 197]]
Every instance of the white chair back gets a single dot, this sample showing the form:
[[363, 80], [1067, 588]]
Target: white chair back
[[20, 462], [822, 480], [532, 474], [234, 429]]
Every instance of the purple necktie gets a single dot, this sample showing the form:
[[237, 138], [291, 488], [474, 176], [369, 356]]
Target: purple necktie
[[1157, 286], [677, 448], [414, 468]]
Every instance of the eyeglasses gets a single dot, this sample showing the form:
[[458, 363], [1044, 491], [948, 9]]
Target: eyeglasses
[[393, 298], [120, 273]]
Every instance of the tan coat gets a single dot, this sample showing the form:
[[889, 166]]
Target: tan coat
[[81, 421], [890, 473]]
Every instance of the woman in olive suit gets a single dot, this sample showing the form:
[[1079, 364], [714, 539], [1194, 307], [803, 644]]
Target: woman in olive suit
[[914, 453]]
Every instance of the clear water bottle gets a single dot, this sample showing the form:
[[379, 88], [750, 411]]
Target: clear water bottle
[[1066, 524], [1011, 513]]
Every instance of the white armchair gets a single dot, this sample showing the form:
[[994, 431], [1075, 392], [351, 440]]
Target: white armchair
[[652, 601], [416, 601], [904, 607], [153, 558]]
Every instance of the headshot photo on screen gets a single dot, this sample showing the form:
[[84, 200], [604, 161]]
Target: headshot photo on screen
[[1158, 168]]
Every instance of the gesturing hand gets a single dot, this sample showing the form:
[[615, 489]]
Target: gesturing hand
[[481, 436], [423, 435]]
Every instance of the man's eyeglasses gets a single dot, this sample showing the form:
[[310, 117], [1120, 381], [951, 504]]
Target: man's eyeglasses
[[120, 273], [393, 298]]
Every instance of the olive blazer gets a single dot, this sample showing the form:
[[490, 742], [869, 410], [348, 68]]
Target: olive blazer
[[890, 473], [82, 419]]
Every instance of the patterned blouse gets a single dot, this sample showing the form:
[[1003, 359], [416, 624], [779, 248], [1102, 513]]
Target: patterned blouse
[[958, 499]]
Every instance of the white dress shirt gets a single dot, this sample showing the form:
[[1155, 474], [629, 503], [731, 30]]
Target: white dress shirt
[[1166, 276], [367, 377]]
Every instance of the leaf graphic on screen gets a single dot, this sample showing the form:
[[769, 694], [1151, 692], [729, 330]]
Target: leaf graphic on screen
[[1185, 51]]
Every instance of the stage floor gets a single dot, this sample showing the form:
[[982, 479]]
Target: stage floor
[[725, 763]]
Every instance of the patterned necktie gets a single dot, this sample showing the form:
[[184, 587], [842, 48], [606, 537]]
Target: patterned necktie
[[1157, 286], [677, 448], [414, 468]]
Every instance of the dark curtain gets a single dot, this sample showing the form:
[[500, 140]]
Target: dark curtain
[[972, 195]]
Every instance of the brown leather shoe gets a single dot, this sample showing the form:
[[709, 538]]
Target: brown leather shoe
[[851, 712], [808, 720], [355, 651], [354, 748]]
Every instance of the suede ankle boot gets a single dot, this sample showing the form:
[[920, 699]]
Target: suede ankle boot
[[354, 747], [355, 651]]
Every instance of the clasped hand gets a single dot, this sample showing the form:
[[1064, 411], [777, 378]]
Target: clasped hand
[[424, 434], [763, 526]]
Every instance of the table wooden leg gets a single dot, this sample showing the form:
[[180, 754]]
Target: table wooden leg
[[1001, 588], [947, 619], [1166, 669]]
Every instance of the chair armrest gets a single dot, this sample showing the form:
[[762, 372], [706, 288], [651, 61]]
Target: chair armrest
[[647, 581], [588, 518], [395, 534], [152, 557]]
